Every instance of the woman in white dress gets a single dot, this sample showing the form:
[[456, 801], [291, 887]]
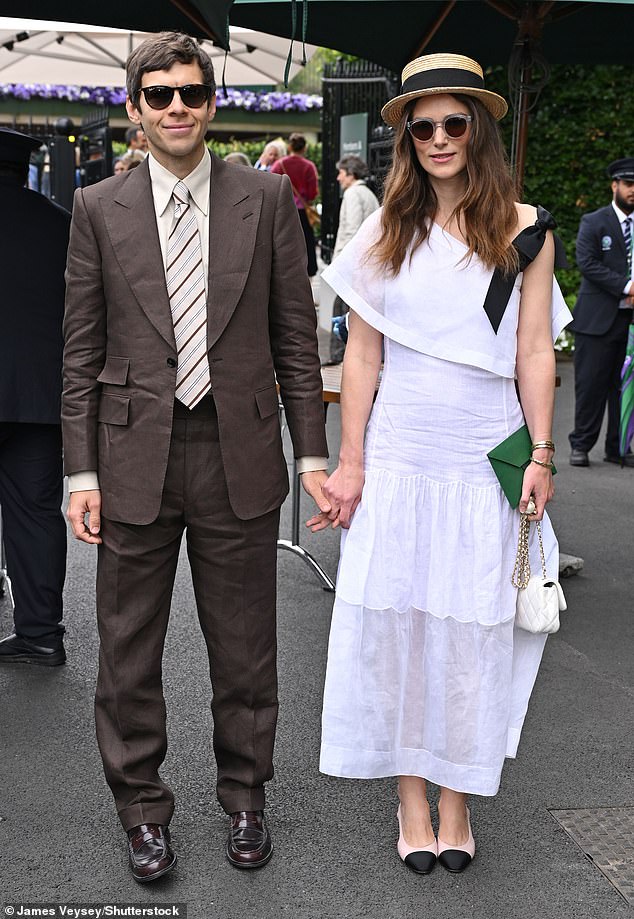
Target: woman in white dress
[[452, 279]]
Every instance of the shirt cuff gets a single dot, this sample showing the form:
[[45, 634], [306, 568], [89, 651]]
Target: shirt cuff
[[83, 481], [311, 464], [627, 289]]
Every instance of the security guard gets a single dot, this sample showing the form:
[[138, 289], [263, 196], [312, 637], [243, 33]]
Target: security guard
[[32, 262], [602, 316]]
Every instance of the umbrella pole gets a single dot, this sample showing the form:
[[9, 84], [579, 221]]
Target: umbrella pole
[[194, 16], [527, 81], [520, 142]]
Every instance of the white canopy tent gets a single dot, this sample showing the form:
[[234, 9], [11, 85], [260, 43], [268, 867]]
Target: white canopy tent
[[35, 51]]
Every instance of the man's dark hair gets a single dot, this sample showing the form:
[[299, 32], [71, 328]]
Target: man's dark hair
[[161, 52], [353, 165]]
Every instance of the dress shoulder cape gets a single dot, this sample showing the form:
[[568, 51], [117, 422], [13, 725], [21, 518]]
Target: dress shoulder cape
[[442, 303]]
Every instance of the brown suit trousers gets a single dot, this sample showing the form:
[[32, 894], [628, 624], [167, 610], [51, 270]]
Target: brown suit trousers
[[233, 566]]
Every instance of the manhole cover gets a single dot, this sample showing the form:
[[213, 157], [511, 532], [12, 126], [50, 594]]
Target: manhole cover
[[606, 836]]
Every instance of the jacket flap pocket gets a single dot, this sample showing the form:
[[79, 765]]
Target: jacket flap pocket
[[114, 409], [267, 401], [115, 371]]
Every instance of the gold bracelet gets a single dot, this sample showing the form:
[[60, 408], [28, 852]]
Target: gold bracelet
[[541, 463], [543, 444]]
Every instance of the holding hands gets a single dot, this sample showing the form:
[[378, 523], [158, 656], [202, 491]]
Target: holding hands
[[342, 491]]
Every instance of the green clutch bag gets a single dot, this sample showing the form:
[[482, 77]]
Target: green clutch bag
[[509, 460]]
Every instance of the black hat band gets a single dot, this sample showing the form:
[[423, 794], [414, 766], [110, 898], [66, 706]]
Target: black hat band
[[442, 77]]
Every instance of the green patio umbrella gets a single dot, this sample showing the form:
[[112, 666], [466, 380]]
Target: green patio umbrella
[[529, 35], [201, 18], [392, 32]]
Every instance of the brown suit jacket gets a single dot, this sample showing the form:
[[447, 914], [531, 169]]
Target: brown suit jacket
[[120, 354]]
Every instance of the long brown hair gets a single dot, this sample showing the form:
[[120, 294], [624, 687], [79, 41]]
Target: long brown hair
[[486, 211]]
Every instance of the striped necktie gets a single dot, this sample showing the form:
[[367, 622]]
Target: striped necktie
[[185, 277], [627, 237]]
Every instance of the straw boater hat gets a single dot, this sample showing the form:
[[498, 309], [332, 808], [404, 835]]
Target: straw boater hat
[[442, 73]]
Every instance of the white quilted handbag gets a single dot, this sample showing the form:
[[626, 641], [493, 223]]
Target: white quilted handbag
[[539, 598]]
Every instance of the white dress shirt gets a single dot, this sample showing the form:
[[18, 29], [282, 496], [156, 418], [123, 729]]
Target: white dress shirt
[[197, 182], [623, 304]]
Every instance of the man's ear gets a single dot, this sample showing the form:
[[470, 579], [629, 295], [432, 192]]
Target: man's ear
[[211, 108], [133, 113]]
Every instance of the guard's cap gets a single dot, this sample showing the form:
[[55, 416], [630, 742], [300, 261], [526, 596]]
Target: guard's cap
[[16, 147], [622, 169]]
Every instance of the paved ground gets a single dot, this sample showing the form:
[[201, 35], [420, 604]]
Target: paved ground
[[335, 840]]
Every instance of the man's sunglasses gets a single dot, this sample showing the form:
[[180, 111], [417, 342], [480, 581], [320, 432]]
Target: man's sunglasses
[[454, 126], [193, 95]]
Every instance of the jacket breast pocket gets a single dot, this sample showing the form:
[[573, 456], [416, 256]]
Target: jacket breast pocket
[[113, 409], [267, 401], [115, 371]]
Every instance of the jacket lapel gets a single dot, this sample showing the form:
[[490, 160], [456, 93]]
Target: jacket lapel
[[131, 224], [617, 230], [234, 215]]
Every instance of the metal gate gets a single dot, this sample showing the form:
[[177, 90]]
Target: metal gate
[[348, 88]]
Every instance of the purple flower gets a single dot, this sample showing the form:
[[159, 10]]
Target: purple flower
[[114, 95], [268, 101]]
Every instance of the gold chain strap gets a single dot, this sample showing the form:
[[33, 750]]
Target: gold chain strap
[[522, 567]]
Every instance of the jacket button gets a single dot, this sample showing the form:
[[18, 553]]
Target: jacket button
[[171, 362]]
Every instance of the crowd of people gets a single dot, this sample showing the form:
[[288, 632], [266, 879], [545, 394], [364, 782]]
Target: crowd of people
[[173, 355]]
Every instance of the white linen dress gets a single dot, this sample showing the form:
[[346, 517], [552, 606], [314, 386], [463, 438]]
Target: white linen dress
[[426, 674]]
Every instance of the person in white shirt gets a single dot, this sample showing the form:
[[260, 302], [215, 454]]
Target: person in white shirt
[[427, 679], [358, 202]]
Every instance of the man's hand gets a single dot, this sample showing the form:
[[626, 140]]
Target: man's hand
[[81, 503], [313, 483]]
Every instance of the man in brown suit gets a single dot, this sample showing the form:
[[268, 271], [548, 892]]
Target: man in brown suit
[[187, 297]]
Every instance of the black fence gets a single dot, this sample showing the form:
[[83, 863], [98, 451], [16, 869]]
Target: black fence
[[349, 88], [70, 156]]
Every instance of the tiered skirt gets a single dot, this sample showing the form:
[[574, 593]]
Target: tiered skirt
[[426, 673]]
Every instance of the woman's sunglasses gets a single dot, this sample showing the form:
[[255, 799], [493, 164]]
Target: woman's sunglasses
[[193, 95], [454, 126]]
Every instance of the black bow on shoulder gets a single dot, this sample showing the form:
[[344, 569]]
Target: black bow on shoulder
[[528, 245]]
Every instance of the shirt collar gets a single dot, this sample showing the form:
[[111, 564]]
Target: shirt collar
[[164, 182], [620, 214]]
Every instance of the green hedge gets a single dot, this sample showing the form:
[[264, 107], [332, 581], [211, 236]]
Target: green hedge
[[583, 120], [253, 149]]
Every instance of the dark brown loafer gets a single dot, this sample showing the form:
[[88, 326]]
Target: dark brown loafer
[[249, 844], [151, 855]]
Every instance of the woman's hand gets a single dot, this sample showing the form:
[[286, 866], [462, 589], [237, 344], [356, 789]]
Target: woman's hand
[[343, 492], [538, 482]]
